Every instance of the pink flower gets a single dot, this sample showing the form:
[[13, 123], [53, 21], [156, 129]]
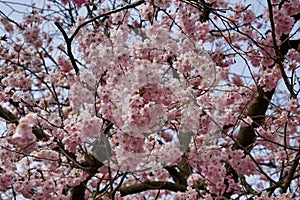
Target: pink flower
[[248, 16], [64, 64], [78, 3], [292, 106], [7, 24]]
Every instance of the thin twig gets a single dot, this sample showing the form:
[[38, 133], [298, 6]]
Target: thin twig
[[135, 4]]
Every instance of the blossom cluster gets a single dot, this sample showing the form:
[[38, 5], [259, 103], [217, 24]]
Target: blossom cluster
[[7, 25], [23, 136], [269, 78], [78, 3]]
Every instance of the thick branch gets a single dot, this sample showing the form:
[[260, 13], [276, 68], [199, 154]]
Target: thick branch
[[291, 173], [256, 111], [246, 136], [180, 172], [151, 185], [79, 190], [8, 116]]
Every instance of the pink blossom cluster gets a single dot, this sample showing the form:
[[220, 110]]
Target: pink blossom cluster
[[32, 18], [32, 36], [267, 52], [269, 78], [293, 57], [214, 171], [35, 189], [7, 25], [64, 64], [39, 184], [283, 17], [71, 139], [135, 93], [6, 179], [284, 22], [264, 196], [241, 163], [190, 194], [18, 80], [293, 106], [23, 137], [160, 3], [248, 17], [80, 95], [78, 3], [49, 159], [90, 127], [254, 57], [192, 25], [218, 56], [147, 12]]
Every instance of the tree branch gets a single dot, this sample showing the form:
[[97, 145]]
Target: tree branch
[[69, 47], [70, 39], [90, 166], [290, 176], [133, 5], [278, 57], [8, 116], [256, 111], [151, 185], [79, 190]]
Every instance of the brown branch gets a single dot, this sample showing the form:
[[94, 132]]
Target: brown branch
[[180, 172], [79, 190], [246, 136], [90, 166], [278, 57], [69, 40], [133, 5], [69, 47], [290, 176], [204, 8], [8, 116], [151, 185], [256, 111]]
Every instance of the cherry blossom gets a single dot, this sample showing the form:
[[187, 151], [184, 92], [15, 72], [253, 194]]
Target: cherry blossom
[[160, 99]]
